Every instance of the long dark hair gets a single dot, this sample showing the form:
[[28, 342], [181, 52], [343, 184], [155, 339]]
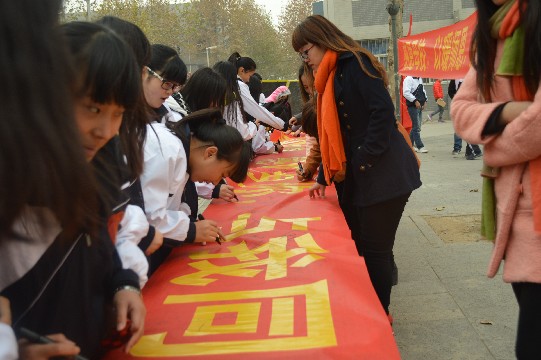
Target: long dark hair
[[242, 61], [166, 61], [205, 88], [41, 159], [208, 125], [483, 46], [306, 71], [319, 31], [232, 91], [132, 145]]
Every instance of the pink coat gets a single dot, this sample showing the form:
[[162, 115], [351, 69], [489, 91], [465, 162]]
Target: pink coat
[[516, 242]]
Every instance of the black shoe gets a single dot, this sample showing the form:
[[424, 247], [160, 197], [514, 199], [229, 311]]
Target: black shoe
[[478, 155], [470, 157]]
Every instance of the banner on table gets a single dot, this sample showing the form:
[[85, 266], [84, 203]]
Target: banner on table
[[287, 282], [441, 54]]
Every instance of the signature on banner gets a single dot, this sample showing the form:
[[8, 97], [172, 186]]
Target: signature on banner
[[270, 319]]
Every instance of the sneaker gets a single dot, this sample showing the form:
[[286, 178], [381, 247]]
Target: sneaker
[[421, 150], [441, 120], [455, 152], [478, 155], [428, 118], [470, 157]]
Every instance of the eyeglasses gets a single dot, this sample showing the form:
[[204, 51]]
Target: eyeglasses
[[304, 54], [166, 85]]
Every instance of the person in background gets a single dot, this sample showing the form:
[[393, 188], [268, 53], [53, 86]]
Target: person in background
[[472, 151], [415, 95], [499, 106], [438, 98], [357, 133], [245, 69]]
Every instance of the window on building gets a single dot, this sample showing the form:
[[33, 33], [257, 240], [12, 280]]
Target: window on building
[[378, 47]]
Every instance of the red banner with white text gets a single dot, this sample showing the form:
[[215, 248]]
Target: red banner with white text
[[440, 54], [287, 283]]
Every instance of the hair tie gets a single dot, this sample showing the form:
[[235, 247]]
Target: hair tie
[[238, 58]]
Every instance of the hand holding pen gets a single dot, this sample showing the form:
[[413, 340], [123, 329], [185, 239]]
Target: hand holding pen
[[33, 345], [206, 229]]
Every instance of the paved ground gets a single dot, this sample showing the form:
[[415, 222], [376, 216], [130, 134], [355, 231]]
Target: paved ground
[[444, 306]]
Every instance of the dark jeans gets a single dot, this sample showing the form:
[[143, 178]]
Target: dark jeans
[[470, 148], [416, 116], [373, 230], [529, 320]]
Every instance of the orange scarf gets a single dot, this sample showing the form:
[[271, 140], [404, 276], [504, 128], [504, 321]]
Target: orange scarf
[[330, 137], [520, 93]]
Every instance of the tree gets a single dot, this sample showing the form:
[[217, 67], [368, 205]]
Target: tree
[[231, 25], [294, 12], [390, 54]]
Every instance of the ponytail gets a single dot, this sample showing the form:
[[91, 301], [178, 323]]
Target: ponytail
[[241, 61]]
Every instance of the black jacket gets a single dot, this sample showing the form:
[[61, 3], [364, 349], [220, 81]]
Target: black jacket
[[371, 139]]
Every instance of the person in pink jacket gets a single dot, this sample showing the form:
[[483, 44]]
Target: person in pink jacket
[[500, 108]]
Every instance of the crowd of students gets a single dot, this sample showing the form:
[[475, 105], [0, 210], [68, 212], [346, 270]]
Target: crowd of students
[[107, 145]]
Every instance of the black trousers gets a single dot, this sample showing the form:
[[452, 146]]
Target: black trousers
[[529, 320], [373, 228]]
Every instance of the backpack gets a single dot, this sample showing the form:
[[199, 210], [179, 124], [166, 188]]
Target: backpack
[[419, 96]]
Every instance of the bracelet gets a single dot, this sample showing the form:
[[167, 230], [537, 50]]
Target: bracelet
[[129, 288]]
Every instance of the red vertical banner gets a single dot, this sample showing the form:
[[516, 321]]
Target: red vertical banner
[[442, 53], [286, 283]]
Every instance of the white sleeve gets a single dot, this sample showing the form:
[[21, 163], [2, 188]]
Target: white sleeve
[[260, 144], [246, 130], [8, 343], [406, 91], [204, 189], [133, 227], [256, 110], [163, 180]]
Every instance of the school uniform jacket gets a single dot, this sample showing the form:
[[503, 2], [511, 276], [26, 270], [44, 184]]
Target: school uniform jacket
[[163, 181], [370, 137]]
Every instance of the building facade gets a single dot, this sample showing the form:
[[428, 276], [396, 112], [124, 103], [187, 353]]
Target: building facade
[[367, 21]]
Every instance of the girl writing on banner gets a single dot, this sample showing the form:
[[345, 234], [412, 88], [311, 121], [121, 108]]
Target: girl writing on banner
[[358, 134], [499, 106]]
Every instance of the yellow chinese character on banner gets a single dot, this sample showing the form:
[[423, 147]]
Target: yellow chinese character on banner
[[306, 304], [251, 262]]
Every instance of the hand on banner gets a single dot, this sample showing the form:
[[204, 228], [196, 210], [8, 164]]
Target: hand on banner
[[156, 243], [130, 315], [293, 121], [206, 230], [317, 189], [227, 193]]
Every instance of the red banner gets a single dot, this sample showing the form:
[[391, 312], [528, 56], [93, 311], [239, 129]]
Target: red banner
[[287, 283], [440, 54]]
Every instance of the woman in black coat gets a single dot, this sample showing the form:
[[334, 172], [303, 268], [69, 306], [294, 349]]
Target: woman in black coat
[[358, 134]]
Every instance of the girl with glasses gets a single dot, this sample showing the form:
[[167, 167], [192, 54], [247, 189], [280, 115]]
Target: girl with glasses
[[358, 133], [499, 106]]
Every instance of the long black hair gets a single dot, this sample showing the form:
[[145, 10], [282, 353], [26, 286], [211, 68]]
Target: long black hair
[[208, 125], [483, 46], [165, 60], [132, 143], [205, 88], [242, 61], [232, 91], [41, 158]]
